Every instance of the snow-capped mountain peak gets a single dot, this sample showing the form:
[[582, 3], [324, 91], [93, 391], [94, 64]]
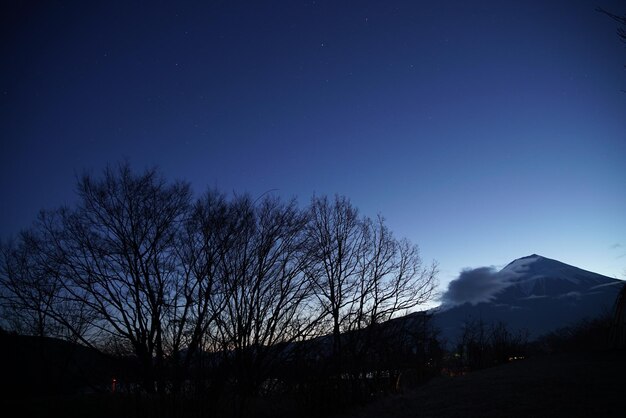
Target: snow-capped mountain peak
[[533, 292], [521, 265], [543, 276]]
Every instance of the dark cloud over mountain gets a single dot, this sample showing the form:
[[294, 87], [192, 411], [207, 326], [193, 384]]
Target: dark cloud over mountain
[[475, 286]]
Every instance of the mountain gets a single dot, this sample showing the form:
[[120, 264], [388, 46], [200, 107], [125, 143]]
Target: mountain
[[534, 293]]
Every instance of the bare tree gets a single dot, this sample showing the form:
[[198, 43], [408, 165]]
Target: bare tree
[[114, 256], [28, 292], [482, 345], [363, 275], [33, 292], [266, 292], [199, 293], [338, 240], [139, 268], [391, 279], [621, 32]]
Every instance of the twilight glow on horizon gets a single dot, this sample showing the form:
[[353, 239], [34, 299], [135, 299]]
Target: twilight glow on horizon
[[482, 132]]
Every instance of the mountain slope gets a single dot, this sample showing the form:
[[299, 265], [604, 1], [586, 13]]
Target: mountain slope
[[537, 294]]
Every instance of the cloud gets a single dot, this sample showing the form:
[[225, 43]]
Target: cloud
[[475, 286], [616, 245]]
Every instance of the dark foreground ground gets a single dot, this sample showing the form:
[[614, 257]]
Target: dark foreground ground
[[568, 385], [563, 385]]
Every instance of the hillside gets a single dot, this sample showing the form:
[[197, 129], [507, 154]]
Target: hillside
[[35, 366]]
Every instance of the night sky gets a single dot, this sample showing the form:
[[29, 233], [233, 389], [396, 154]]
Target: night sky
[[482, 132]]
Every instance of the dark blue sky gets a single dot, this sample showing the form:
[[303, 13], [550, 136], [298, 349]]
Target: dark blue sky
[[482, 132]]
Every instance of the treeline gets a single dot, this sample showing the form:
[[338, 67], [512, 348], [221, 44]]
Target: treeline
[[230, 286], [587, 335], [481, 345]]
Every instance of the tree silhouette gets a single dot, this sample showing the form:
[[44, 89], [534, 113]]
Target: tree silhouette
[[240, 293], [621, 32]]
